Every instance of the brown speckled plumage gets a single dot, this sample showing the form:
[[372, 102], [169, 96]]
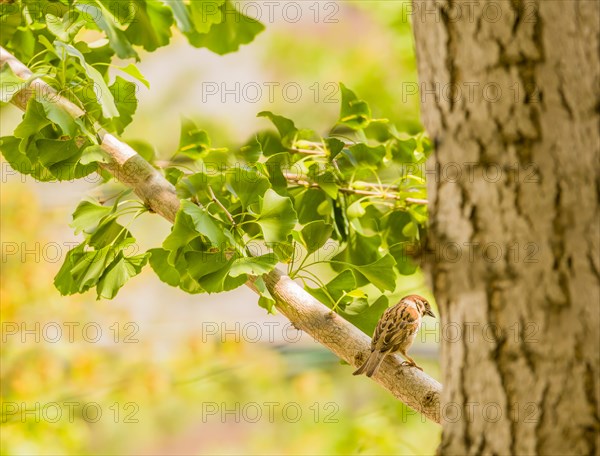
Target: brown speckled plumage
[[396, 332]]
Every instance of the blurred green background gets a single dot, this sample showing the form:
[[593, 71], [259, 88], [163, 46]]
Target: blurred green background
[[156, 371]]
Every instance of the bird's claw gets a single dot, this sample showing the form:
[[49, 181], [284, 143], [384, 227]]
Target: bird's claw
[[408, 363]]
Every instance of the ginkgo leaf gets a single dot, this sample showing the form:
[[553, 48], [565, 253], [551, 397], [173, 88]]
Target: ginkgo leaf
[[354, 113], [103, 94], [277, 216], [118, 273], [253, 265], [107, 23], [233, 30], [315, 234], [88, 215], [151, 25]]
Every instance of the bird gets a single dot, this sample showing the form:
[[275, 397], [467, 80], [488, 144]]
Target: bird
[[395, 332]]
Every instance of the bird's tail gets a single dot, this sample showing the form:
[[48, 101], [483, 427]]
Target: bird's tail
[[371, 365]]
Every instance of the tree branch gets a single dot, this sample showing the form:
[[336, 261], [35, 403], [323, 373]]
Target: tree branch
[[413, 387], [389, 192]]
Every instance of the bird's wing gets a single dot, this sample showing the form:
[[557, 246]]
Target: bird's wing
[[397, 324]]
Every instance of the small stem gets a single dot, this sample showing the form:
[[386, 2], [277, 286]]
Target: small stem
[[320, 283], [317, 144], [299, 267], [214, 199], [416, 200], [307, 151], [382, 187]]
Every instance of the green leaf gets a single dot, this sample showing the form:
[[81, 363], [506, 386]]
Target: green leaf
[[110, 232], [181, 14], [63, 281], [269, 143], [151, 25], [248, 185], [20, 162], [23, 39], [356, 210], [118, 273], [360, 250], [357, 293], [284, 251], [274, 168], [211, 271], [307, 204], [380, 273], [357, 306], [61, 158], [176, 275], [354, 113], [201, 264], [335, 289], [191, 222], [134, 71], [267, 303], [315, 234], [366, 318], [403, 150], [59, 116], [380, 130], [103, 94], [88, 215], [362, 155], [33, 121], [220, 281], [89, 267], [403, 254], [340, 284], [286, 128], [334, 146], [123, 93], [287, 131], [173, 175], [205, 224], [182, 232], [265, 299], [328, 183], [226, 36], [10, 83], [410, 230], [160, 264], [277, 216], [340, 218], [143, 148], [94, 154], [106, 268], [107, 23], [254, 266], [193, 142], [65, 28], [204, 14]]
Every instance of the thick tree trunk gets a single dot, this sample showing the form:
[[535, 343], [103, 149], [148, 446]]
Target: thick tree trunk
[[510, 92]]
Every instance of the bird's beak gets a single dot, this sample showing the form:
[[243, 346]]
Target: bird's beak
[[430, 313]]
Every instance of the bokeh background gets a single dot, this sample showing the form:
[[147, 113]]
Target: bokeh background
[[159, 372]]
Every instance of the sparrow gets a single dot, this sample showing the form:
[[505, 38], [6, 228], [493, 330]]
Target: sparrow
[[395, 332]]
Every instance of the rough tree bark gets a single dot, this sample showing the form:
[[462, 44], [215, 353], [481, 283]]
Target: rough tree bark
[[510, 92]]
